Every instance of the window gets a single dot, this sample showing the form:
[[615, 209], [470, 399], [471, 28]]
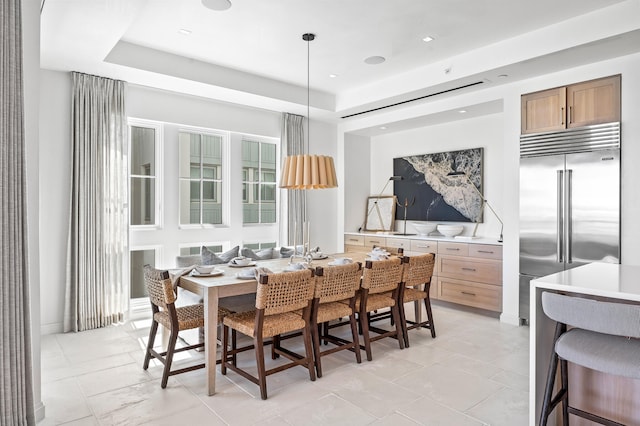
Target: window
[[185, 251], [258, 181], [143, 173], [200, 178], [258, 246], [137, 260]]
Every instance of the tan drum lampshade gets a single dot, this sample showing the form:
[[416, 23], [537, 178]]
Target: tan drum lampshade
[[308, 172]]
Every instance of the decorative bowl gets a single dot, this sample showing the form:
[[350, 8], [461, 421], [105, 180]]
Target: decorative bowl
[[450, 230], [241, 261], [205, 269], [424, 228]]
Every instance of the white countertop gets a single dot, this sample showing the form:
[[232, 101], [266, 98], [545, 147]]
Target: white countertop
[[597, 279], [478, 240]]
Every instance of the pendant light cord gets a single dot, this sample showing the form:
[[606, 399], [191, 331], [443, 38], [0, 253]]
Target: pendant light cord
[[308, 37]]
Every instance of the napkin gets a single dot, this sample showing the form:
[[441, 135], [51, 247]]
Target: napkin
[[175, 276], [261, 270]]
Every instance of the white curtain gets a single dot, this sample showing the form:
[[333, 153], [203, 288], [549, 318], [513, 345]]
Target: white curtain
[[16, 382], [96, 293], [292, 143]]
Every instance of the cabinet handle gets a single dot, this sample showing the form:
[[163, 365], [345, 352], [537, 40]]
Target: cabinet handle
[[353, 239], [562, 115], [485, 251], [468, 293], [453, 249], [570, 114], [423, 246], [469, 269]]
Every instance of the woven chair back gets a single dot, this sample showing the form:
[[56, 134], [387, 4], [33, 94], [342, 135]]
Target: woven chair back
[[382, 275], [159, 286], [285, 291], [619, 319], [340, 282], [418, 269]]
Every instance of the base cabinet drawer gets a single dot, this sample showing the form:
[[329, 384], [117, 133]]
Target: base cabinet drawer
[[369, 242], [484, 296], [479, 270]]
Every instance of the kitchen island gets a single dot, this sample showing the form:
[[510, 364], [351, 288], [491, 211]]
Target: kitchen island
[[612, 396]]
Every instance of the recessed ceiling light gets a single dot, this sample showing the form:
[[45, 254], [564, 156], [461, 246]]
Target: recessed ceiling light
[[383, 128], [217, 4], [503, 76], [462, 111], [374, 60], [184, 31], [427, 39], [333, 75]]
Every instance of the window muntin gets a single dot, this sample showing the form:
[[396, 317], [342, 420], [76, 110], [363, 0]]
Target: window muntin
[[201, 200], [258, 181]]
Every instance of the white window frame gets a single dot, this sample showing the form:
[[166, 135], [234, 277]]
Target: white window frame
[[259, 183], [159, 149], [226, 176]]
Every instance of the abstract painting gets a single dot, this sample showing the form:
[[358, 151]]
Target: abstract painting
[[429, 192]]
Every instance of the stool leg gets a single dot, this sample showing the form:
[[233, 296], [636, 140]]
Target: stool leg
[[564, 375], [547, 407]]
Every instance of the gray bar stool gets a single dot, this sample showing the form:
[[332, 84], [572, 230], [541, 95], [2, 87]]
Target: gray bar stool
[[603, 338]]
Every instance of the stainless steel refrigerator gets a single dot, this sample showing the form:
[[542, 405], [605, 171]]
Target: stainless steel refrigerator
[[569, 202]]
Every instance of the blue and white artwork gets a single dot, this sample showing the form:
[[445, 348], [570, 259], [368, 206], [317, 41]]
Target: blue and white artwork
[[431, 193]]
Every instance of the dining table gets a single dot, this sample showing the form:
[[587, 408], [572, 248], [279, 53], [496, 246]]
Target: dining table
[[225, 283]]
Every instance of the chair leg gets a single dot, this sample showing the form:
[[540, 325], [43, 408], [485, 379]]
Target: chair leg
[[325, 325], [274, 345], [169, 358], [354, 337], [395, 310], [427, 304], [403, 321], [364, 327], [306, 332], [152, 338], [225, 349], [262, 378], [315, 336]]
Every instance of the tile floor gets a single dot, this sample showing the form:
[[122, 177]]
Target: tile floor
[[474, 373]]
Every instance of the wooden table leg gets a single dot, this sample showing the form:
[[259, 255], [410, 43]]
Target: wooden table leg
[[211, 336]]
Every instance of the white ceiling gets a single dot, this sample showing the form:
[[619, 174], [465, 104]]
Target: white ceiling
[[253, 53]]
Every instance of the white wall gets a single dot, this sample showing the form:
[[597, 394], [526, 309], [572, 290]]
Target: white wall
[[501, 134], [482, 132], [157, 105]]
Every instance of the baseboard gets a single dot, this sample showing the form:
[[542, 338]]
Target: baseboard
[[53, 328], [39, 411], [510, 319]]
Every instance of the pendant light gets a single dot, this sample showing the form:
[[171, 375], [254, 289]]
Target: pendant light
[[308, 171]]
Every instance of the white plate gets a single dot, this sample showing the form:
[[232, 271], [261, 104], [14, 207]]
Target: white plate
[[213, 273], [324, 256], [233, 265], [245, 277]]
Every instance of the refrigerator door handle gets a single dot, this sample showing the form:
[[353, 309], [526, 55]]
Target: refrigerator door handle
[[559, 218], [568, 215]]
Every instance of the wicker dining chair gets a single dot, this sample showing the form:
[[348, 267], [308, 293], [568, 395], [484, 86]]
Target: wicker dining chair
[[175, 319], [381, 281], [335, 298], [416, 277], [278, 297]]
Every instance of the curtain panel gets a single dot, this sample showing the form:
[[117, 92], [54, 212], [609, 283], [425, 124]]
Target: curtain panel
[[16, 381], [292, 142], [97, 246]]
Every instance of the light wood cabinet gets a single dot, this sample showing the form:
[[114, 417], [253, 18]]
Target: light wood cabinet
[[470, 274], [593, 102], [544, 111], [576, 105], [465, 273]]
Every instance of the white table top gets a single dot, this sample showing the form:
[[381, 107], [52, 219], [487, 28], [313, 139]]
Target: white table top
[[597, 279]]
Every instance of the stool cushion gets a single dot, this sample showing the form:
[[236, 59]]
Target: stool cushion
[[601, 352]]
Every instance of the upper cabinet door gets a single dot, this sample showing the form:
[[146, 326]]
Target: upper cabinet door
[[544, 111], [594, 102]]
